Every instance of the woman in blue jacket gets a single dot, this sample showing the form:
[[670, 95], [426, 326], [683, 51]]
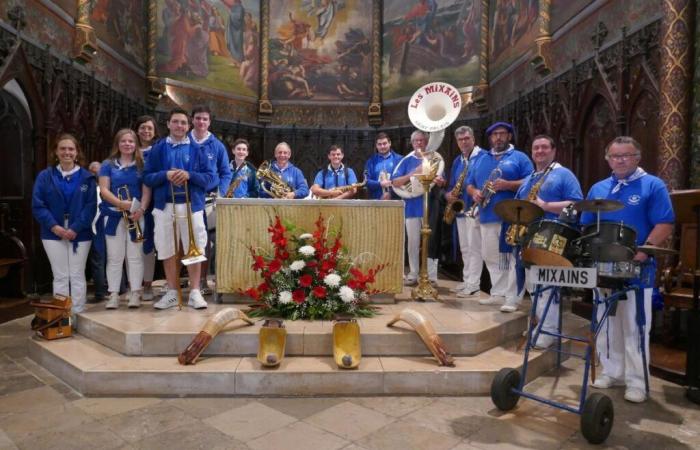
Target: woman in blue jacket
[[122, 174], [146, 131], [64, 202]]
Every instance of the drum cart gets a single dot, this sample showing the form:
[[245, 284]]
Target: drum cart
[[596, 410]]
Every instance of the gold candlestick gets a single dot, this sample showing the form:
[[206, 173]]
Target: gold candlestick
[[424, 290]]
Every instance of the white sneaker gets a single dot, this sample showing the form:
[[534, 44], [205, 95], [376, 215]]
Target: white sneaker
[[492, 300], [606, 382], [467, 293], [167, 301], [134, 299], [113, 302], [410, 281], [147, 294], [196, 300], [544, 341], [635, 395], [509, 306], [460, 287]]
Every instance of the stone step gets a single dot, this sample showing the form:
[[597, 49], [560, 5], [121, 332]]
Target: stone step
[[466, 327], [95, 370]]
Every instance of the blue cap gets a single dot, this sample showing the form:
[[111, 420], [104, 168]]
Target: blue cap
[[493, 127]]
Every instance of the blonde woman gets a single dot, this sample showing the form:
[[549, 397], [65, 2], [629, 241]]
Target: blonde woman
[[121, 175]]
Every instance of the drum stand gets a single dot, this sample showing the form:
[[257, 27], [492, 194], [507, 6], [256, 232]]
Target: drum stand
[[596, 411]]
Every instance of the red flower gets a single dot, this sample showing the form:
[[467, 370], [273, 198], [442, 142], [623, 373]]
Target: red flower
[[319, 292], [253, 293], [274, 266], [311, 264], [305, 280], [281, 242], [298, 296], [258, 263], [328, 265], [263, 287], [281, 254], [354, 284]]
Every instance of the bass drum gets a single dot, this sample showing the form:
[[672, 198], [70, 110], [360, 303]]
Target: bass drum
[[550, 243], [614, 242]]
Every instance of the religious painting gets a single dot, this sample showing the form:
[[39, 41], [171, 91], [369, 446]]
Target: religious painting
[[320, 50], [427, 40], [513, 31], [121, 25], [564, 10], [212, 44]]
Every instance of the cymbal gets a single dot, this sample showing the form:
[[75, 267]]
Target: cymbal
[[598, 205], [518, 211], [653, 250]]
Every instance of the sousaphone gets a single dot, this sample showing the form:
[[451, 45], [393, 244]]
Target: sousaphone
[[432, 108]]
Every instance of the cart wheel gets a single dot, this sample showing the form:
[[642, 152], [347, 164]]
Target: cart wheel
[[502, 387], [597, 418]]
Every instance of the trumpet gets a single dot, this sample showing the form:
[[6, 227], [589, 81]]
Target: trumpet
[[132, 226], [487, 192], [278, 187], [383, 176], [193, 255]]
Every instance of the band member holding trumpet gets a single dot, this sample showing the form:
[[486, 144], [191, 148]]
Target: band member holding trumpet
[[334, 176], [552, 187], [495, 176], [411, 165], [64, 200], [175, 165], [469, 238], [647, 208], [125, 202], [244, 183], [288, 173], [380, 167]]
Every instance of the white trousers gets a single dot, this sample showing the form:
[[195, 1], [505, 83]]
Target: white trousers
[[502, 281], [163, 236], [120, 246], [622, 358], [470, 248], [149, 266], [413, 225], [68, 268], [551, 322]]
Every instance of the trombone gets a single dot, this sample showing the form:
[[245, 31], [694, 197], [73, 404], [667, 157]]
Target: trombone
[[193, 255], [132, 226]]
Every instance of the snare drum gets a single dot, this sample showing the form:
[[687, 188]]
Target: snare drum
[[614, 241], [614, 274], [550, 243]]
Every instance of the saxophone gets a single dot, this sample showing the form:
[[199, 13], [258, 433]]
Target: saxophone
[[278, 187], [348, 187], [233, 186], [457, 206], [516, 232], [488, 191]]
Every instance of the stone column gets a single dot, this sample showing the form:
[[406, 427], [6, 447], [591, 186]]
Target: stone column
[[674, 87], [155, 88]]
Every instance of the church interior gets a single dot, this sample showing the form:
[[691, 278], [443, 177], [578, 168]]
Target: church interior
[[319, 73]]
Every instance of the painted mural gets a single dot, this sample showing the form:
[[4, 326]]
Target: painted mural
[[563, 10], [121, 24], [320, 49], [513, 31], [427, 40], [210, 43]]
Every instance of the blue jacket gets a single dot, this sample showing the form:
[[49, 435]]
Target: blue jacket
[[374, 166], [159, 162], [218, 159], [249, 186], [47, 204], [293, 177]]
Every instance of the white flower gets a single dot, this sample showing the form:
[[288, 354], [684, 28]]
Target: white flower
[[332, 280], [307, 250], [285, 297], [296, 266], [306, 236], [347, 294]]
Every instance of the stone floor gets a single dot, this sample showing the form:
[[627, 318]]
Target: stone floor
[[38, 411]]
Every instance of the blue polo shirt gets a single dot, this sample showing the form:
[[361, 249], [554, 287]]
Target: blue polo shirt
[[120, 176], [514, 165], [457, 168], [330, 178], [646, 204], [561, 184], [413, 207], [374, 166]]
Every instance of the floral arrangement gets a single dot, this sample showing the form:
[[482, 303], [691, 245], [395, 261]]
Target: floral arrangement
[[308, 277]]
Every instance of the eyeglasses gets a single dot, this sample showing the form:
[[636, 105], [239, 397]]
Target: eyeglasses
[[625, 157]]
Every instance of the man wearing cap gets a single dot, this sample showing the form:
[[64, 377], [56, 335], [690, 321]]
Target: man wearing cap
[[506, 167]]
